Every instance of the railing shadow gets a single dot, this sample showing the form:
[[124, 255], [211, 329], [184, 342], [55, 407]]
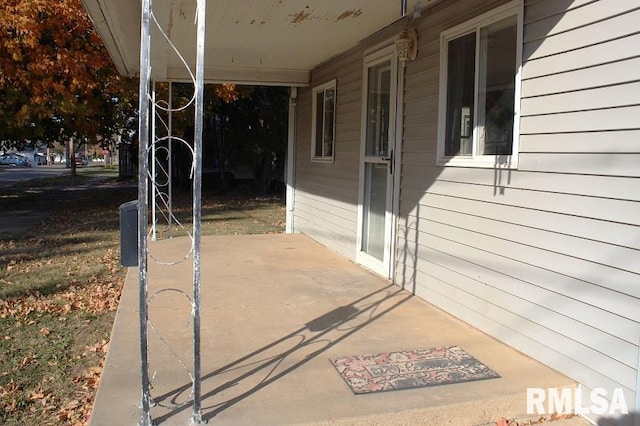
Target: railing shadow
[[316, 331]]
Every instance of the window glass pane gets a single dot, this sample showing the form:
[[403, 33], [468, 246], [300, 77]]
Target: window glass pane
[[329, 116], [460, 95], [497, 87], [378, 102], [319, 123]]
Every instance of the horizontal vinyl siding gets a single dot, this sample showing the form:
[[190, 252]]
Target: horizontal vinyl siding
[[507, 325], [571, 275], [613, 19], [606, 74], [490, 291], [500, 181], [502, 193], [608, 52], [326, 196], [335, 230], [544, 257], [580, 108]]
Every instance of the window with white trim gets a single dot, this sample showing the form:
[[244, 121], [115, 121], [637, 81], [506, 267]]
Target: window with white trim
[[323, 122], [479, 92]]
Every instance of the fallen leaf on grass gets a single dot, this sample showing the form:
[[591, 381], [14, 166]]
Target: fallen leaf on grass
[[71, 405], [28, 360], [102, 346], [40, 396], [11, 265], [10, 407], [10, 388]]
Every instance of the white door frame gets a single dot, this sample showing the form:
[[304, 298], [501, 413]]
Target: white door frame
[[386, 268]]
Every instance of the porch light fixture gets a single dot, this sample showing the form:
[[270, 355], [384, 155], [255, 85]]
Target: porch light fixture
[[407, 41], [407, 45]]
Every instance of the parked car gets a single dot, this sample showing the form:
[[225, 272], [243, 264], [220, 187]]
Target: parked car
[[80, 162], [16, 160]]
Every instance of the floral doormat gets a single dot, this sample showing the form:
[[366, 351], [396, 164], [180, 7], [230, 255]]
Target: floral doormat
[[410, 369]]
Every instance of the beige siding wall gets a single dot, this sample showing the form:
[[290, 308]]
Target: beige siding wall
[[545, 257], [326, 196]]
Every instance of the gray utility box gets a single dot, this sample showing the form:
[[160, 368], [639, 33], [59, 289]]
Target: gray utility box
[[129, 233]]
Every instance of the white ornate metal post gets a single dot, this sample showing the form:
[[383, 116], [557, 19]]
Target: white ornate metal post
[[197, 201], [151, 143], [143, 167]]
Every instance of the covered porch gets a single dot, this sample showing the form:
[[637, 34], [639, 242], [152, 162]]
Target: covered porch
[[274, 310]]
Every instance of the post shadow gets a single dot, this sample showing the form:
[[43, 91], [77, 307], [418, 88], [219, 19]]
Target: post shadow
[[322, 325]]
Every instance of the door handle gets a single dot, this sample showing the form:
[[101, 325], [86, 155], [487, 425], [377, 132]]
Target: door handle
[[390, 160]]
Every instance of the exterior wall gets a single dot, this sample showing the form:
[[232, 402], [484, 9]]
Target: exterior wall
[[326, 196], [544, 257]]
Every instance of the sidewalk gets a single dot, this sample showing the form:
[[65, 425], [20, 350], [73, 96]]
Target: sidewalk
[[275, 308]]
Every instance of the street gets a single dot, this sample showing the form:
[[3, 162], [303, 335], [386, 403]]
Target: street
[[16, 216], [10, 175]]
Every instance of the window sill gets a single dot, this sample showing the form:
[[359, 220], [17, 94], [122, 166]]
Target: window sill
[[485, 162], [322, 159]]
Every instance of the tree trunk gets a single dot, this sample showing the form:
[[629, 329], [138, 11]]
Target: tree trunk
[[264, 174], [72, 157]]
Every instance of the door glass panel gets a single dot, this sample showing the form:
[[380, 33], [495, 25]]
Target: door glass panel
[[378, 104], [375, 202]]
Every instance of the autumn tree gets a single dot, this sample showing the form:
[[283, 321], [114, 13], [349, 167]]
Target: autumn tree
[[57, 81]]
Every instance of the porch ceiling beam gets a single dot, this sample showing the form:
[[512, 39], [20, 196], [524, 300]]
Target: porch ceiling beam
[[249, 76]]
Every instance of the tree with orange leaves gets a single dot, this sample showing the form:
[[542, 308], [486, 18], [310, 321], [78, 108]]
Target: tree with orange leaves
[[57, 81]]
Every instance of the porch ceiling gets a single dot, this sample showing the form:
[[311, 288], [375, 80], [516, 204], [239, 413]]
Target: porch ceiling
[[248, 41]]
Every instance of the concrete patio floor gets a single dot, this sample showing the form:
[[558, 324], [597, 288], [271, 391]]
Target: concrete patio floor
[[275, 309]]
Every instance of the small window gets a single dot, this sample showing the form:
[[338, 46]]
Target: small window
[[323, 122], [479, 93]]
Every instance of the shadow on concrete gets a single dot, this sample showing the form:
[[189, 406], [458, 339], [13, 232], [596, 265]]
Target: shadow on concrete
[[374, 306]]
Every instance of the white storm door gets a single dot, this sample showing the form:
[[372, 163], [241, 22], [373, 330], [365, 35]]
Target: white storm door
[[376, 218]]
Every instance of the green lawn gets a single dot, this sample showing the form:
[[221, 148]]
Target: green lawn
[[60, 283]]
